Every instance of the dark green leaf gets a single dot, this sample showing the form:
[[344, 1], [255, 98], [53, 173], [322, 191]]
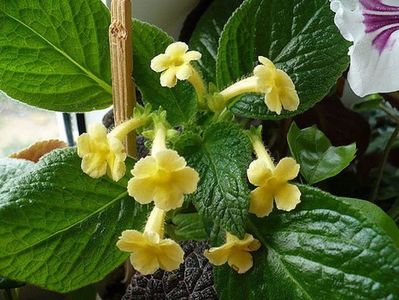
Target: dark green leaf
[[9, 284], [221, 158], [206, 35], [58, 226], [326, 248], [187, 227], [319, 160], [55, 54], [179, 102], [297, 35]]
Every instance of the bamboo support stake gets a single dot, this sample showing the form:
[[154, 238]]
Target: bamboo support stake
[[123, 88]]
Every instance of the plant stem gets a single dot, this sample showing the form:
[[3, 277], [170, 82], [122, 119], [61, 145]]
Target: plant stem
[[383, 163], [394, 117], [123, 88]]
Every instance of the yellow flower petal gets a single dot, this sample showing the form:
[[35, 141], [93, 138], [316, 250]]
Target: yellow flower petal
[[287, 197], [240, 261], [187, 180], [168, 78], [173, 255], [143, 261], [266, 62], [94, 165], [192, 55], [149, 252], [184, 72], [283, 81], [145, 167], [219, 255], [272, 100], [290, 100], [258, 172], [168, 197], [160, 63], [83, 144], [286, 169], [261, 202], [142, 190], [170, 160], [176, 49], [97, 131], [235, 252]]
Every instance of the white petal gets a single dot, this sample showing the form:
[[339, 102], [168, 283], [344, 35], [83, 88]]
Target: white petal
[[374, 66]]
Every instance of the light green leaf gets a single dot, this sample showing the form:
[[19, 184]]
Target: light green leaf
[[319, 160], [206, 35], [11, 167], [187, 227], [179, 102], [325, 249], [299, 36], [58, 226], [55, 54], [221, 157]]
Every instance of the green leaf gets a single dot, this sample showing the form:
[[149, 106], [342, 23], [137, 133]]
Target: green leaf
[[187, 227], [206, 35], [55, 54], [221, 158], [299, 36], [319, 160], [11, 167], [325, 249], [58, 226], [180, 102]]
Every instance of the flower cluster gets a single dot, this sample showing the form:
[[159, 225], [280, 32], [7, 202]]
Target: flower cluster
[[164, 178]]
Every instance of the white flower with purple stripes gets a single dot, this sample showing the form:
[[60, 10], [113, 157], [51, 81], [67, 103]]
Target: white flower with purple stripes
[[373, 27]]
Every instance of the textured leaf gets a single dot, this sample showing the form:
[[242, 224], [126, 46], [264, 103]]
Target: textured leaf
[[11, 168], [221, 158], [179, 102], [54, 54], [319, 160], [37, 150], [193, 280], [187, 227], [298, 35], [206, 35], [324, 249], [58, 227]]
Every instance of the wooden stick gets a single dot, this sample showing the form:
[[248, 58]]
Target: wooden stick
[[123, 88]]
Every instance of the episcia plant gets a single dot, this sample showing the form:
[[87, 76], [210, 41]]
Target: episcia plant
[[71, 218]]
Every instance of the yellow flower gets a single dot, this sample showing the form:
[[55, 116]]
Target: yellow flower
[[272, 184], [101, 153], [175, 64], [149, 250], [277, 86], [163, 178], [235, 252]]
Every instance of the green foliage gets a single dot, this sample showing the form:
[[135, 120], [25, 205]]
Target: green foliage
[[221, 158], [180, 102], [55, 54], [319, 160], [58, 227], [325, 249], [187, 227], [297, 35], [206, 35], [11, 168]]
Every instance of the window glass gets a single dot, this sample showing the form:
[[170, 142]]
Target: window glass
[[22, 125]]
